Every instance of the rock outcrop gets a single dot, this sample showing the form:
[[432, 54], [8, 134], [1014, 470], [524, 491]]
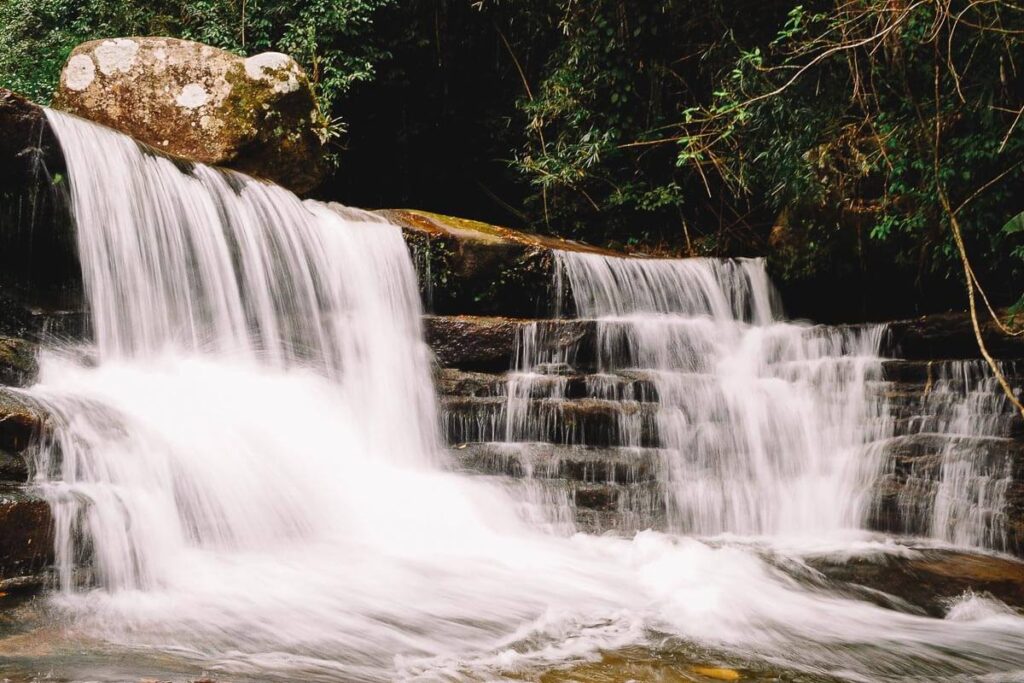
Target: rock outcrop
[[38, 266], [26, 544], [489, 343], [949, 335], [18, 366], [467, 266], [257, 115], [26, 522]]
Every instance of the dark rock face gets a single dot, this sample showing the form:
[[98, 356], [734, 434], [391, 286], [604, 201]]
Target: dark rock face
[[26, 524], [38, 265], [489, 343], [26, 544], [21, 423], [27, 146], [470, 267], [257, 115], [13, 467], [949, 335]]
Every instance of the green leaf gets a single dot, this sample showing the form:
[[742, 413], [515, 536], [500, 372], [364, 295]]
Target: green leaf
[[1014, 225]]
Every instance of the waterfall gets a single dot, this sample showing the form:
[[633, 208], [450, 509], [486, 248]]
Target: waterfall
[[162, 284], [764, 426], [248, 483], [965, 452]]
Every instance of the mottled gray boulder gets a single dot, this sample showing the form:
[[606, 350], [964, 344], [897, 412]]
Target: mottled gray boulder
[[257, 115]]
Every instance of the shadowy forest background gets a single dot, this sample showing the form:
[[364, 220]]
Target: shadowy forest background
[[843, 139]]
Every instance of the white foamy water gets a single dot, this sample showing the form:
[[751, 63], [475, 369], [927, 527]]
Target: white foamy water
[[960, 494], [765, 426], [248, 481]]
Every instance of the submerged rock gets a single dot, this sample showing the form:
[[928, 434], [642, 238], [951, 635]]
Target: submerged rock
[[930, 579], [257, 115]]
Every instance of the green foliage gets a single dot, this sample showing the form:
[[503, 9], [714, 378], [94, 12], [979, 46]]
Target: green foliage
[[892, 104], [802, 130], [330, 38], [645, 116]]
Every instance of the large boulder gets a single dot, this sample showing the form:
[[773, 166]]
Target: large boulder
[[257, 115]]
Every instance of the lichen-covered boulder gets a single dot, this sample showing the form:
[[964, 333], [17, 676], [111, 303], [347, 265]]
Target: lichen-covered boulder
[[257, 115]]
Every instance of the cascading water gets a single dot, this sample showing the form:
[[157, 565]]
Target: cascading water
[[764, 426], [958, 491], [248, 483]]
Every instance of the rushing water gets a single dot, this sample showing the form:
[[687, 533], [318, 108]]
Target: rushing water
[[766, 426], [960, 493], [248, 481]]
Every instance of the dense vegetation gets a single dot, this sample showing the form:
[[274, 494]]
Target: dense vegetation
[[842, 137]]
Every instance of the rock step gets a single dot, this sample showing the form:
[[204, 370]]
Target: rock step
[[601, 422], [490, 343], [20, 422], [26, 533], [927, 371], [550, 461], [632, 384], [574, 421], [591, 507], [625, 385], [921, 455], [948, 335], [911, 422]]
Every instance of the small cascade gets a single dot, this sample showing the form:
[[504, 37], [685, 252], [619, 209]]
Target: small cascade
[[956, 456], [760, 426], [678, 397]]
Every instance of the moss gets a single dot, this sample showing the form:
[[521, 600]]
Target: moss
[[242, 104], [277, 138], [18, 364]]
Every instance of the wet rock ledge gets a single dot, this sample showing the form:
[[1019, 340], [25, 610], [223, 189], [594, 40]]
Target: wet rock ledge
[[26, 523], [470, 267]]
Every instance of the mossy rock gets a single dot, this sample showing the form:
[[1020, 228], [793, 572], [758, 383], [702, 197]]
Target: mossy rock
[[471, 267], [257, 115], [18, 366]]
